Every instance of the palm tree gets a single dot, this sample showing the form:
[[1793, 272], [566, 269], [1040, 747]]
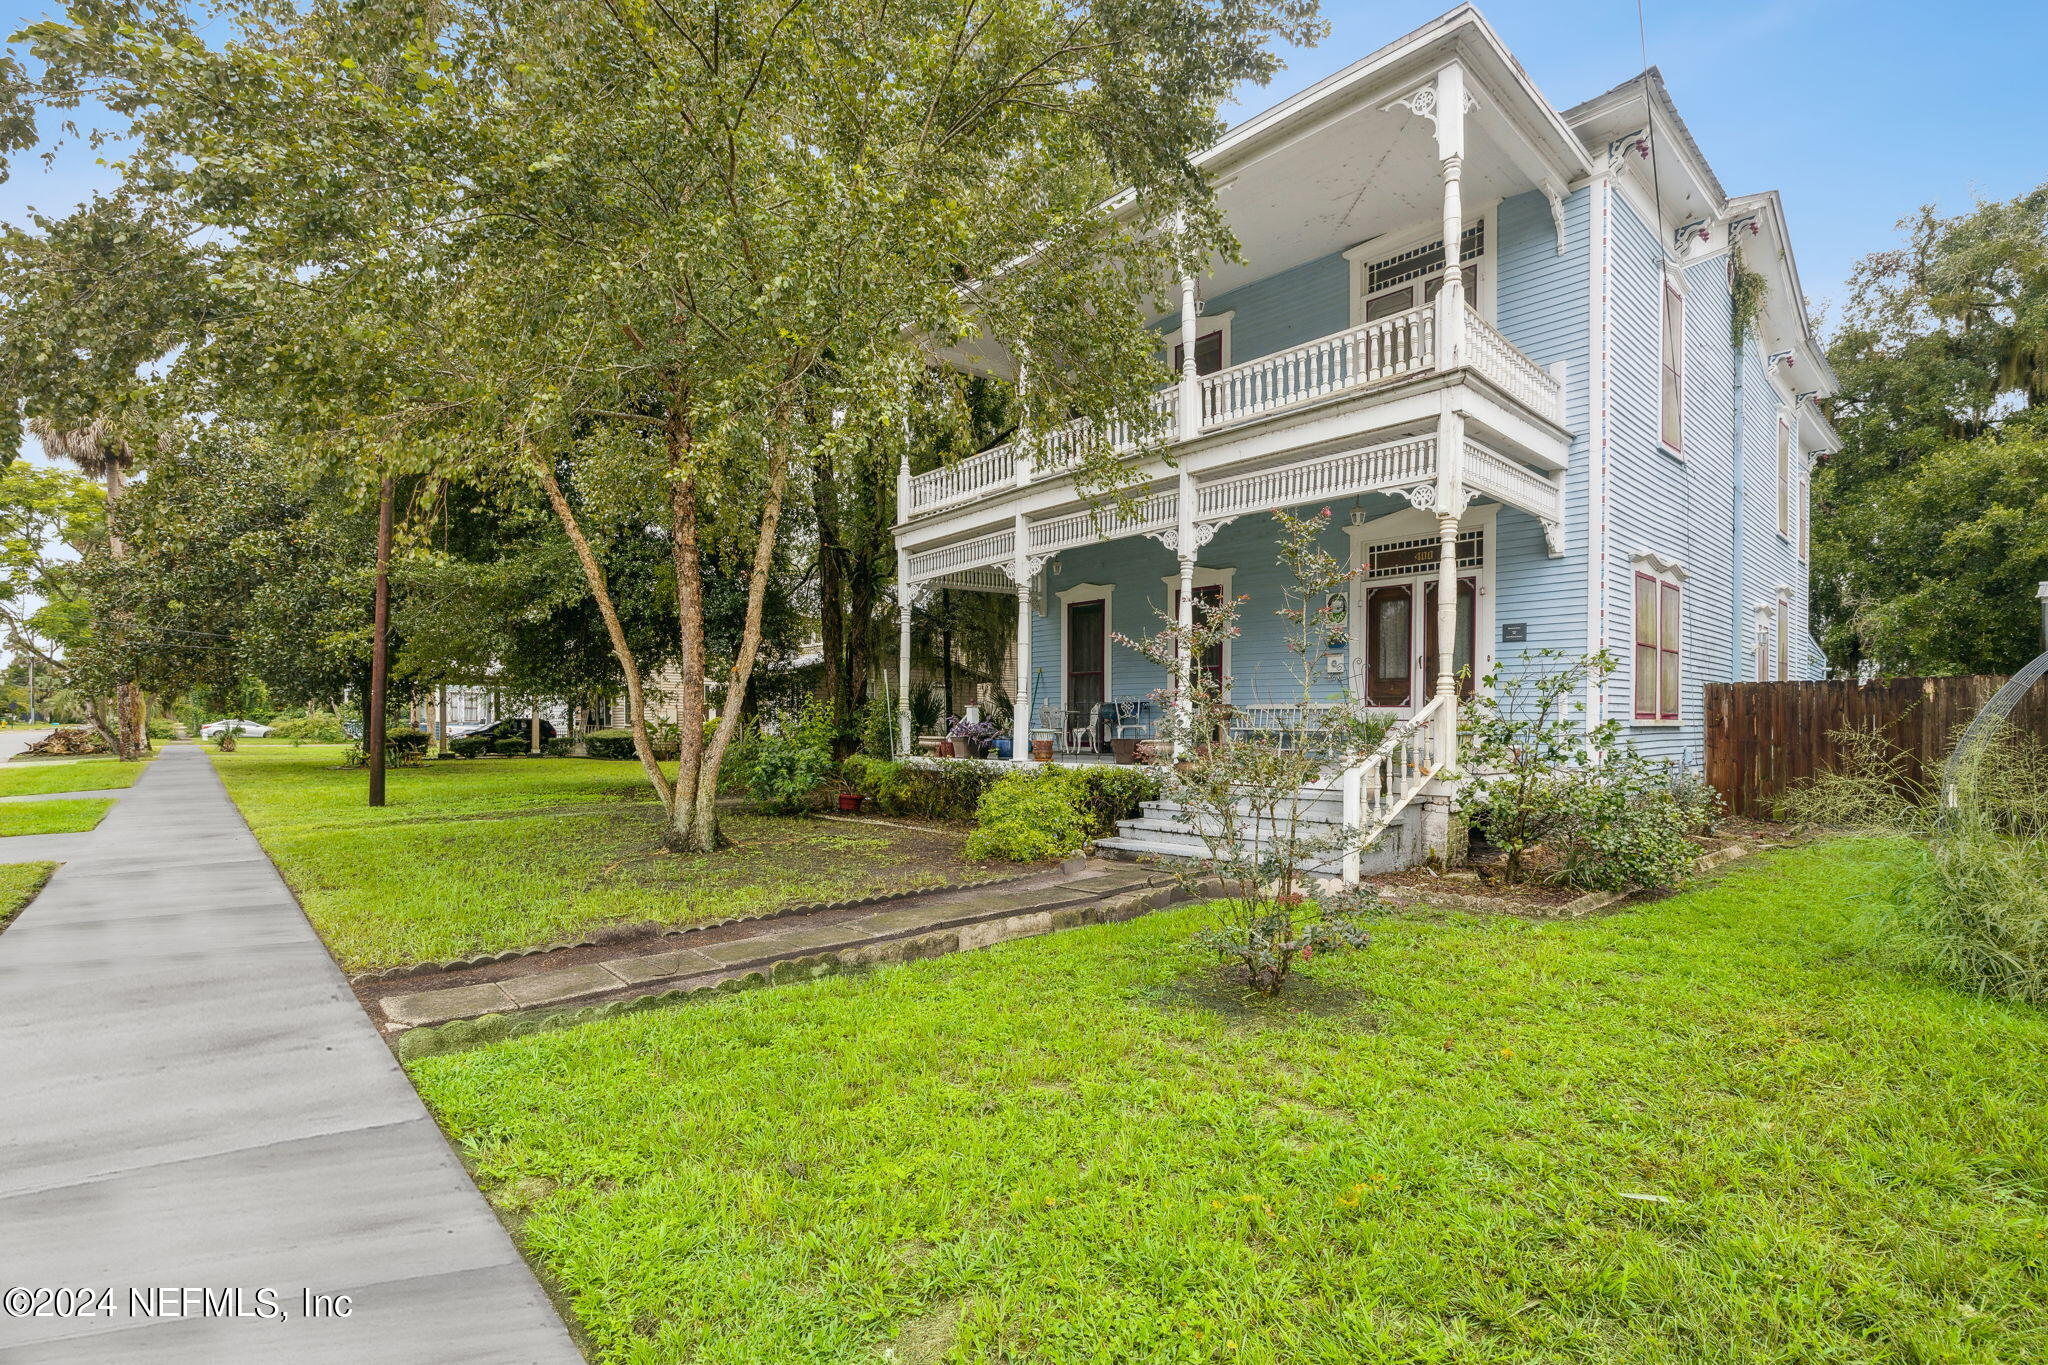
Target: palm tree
[[100, 450]]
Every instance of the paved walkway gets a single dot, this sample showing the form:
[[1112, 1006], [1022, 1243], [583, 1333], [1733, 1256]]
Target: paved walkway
[[191, 1100], [891, 931]]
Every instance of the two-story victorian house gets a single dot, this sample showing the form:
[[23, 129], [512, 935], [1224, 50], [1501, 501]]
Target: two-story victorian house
[[1555, 383]]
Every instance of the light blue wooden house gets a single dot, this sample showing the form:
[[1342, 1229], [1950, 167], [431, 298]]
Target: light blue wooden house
[[1497, 339]]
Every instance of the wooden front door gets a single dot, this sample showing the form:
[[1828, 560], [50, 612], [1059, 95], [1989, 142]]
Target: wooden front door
[[1400, 660], [1389, 641]]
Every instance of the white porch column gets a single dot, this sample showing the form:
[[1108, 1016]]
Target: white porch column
[[1449, 111], [1020, 709], [1022, 571], [905, 599], [1190, 378], [1184, 614], [1450, 510]]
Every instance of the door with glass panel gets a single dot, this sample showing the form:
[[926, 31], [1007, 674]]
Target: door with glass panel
[[1400, 664]]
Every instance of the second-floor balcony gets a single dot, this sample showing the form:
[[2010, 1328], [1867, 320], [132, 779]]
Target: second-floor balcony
[[1380, 353]]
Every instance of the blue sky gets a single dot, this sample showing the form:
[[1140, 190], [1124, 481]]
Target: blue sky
[[1857, 112]]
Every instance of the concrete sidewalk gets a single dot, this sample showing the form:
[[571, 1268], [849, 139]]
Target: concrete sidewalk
[[196, 1116]]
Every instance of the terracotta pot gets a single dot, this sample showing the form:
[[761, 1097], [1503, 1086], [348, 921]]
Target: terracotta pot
[[1126, 750], [945, 748], [1041, 751], [850, 802]]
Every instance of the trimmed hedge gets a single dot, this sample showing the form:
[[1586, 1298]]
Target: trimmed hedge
[[406, 739], [619, 744], [952, 789]]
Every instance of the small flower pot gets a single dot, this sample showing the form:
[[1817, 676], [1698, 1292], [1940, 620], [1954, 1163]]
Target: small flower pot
[[849, 802], [945, 748], [1041, 751]]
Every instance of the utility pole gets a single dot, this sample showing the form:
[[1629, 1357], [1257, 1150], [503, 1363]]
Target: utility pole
[[2040, 592], [373, 718]]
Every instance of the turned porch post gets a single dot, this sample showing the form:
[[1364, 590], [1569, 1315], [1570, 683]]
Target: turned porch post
[[1190, 376], [1447, 111], [1184, 615], [905, 598], [1450, 509], [1021, 573]]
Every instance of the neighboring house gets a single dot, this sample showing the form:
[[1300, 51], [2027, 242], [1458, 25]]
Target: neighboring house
[[1567, 409]]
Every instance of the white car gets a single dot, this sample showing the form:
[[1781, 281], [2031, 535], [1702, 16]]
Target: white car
[[213, 728]]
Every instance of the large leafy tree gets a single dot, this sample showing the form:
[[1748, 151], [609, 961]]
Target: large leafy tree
[[1928, 527], [700, 248], [91, 306]]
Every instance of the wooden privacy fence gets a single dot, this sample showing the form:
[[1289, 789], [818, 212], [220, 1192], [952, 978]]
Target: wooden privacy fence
[[1764, 737]]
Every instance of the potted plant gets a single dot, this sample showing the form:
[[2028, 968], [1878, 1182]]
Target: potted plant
[[970, 737], [849, 802]]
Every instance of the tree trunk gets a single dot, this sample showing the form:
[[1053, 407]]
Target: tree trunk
[[380, 663], [600, 589]]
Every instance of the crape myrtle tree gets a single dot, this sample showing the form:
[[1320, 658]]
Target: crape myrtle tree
[[1930, 527], [702, 248]]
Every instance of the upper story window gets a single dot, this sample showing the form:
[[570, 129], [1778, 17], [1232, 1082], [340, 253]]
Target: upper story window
[[1660, 631], [1805, 517], [1671, 411], [1408, 279], [1784, 478], [1208, 353]]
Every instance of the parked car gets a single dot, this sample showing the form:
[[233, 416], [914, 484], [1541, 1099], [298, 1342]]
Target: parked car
[[512, 727], [213, 728]]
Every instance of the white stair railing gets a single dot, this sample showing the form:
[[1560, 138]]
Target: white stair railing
[[1376, 790]]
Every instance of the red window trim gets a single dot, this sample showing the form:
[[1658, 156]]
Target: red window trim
[[1669, 655]]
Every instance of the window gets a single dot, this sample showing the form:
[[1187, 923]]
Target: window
[[1208, 353], [1659, 621], [1672, 426], [1087, 650], [1411, 278], [1805, 518], [1784, 478], [1784, 639]]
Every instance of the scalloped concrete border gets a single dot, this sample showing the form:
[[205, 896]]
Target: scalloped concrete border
[[626, 933], [433, 1040]]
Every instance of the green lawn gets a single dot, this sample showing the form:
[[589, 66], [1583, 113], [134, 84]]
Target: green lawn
[[19, 883], [481, 855], [51, 817], [1057, 1151], [36, 777]]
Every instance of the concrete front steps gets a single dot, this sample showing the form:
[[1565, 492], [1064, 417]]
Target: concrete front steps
[[1165, 830]]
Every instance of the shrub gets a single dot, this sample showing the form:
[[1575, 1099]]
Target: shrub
[[1113, 794], [316, 727], [468, 746], [406, 739], [1031, 817], [609, 744], [618, 744], [791, 761], [949, 789], [1629, 823], [511, 747]]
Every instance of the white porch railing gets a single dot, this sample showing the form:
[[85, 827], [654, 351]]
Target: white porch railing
[[1512, 482], [965, 481], [1385, 348], [992, 548], [1389, 779], [1396, 464], [1500, 360]]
